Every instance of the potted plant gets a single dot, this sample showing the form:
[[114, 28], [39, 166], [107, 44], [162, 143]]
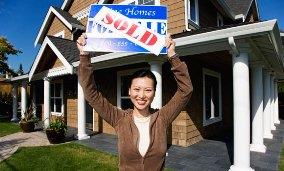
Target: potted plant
[[28, 121], [56, 130]]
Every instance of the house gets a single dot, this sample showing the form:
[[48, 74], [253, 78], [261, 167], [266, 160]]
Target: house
[[235, 61]]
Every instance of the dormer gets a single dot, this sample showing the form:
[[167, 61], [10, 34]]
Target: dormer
[[58, 21]]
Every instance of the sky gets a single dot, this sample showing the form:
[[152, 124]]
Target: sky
[[20, 22]]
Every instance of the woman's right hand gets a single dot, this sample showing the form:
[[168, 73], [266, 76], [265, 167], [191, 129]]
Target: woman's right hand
[[81, 42]]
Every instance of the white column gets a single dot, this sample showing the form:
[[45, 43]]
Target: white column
[[257, 110], [81, 114], [266, 105], [34, 100], [46, 107], [23, 98], [272, 103], [276, 106], [241, 113], [156, 68], [15, 103]]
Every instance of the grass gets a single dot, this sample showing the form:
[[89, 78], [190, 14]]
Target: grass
[[7, 127], [68, 156], [281, 162]]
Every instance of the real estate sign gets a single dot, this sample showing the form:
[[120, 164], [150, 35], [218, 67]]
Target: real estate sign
[[127, 28]]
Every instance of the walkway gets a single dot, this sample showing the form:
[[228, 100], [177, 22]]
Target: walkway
[[10, 143]]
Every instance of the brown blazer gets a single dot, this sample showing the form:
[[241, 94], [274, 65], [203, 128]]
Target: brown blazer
[[122, 120]]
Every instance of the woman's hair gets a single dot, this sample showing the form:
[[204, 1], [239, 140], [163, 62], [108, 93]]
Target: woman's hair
[[144, 73]]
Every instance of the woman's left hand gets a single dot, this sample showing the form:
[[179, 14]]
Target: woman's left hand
[[170, 45]]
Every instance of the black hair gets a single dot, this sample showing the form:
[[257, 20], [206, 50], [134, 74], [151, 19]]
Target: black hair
[[144, 73]]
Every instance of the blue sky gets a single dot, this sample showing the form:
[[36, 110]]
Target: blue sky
[[21, 20]]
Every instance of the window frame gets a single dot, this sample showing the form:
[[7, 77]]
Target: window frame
[[192, 22], [217, 75], [118, 88], [220, 18], [53, 97], [61, 33]]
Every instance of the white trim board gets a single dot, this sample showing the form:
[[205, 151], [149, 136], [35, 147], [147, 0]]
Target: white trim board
[[48, 19], [57, 53]]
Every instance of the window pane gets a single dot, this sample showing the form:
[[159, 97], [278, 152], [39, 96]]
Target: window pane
[[58, 105], [57, 89], [52, 90], [146, 2], [211, 96], [125, 83], [52, 105], [126, 104], [207, 98], [192, 10]]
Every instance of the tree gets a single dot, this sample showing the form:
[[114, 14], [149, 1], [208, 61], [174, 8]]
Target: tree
[[20, 70], [6, 48]]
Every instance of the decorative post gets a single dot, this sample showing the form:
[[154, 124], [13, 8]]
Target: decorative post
[[156, 68], [266, 99], [241, 113], [46, 107], [273, 127], [23, 98], [81, 114], [257, 110]]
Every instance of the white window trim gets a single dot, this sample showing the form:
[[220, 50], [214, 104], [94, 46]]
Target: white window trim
[[126, 2], [118, 88], [215, 119], [194, 23], [61, 33], [61, 96], [220, 18]]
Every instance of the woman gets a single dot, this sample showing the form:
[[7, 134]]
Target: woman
[[142, 131]]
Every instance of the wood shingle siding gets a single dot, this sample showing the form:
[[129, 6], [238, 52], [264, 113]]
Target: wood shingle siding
[[79, 5], [176, 20], [57, 63], [57, 26]]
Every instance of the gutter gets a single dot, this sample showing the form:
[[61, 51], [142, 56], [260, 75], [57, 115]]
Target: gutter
[[227, 9], [239, 31]]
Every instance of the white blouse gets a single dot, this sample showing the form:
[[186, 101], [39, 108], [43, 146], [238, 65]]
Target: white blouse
[[143, 125]]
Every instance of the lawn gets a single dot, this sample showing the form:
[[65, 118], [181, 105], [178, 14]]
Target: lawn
[[281, 162], [7, 127], [69, 156]]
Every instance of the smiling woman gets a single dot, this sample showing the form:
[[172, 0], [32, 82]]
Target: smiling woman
[[142, 131]]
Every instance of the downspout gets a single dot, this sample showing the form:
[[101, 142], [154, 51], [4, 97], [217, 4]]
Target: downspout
[[233, 46], [185, 16]]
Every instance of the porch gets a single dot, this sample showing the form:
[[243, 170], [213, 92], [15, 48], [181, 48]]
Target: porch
[[208, 154]]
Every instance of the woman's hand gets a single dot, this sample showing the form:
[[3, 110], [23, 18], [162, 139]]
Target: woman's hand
[[81, 42], [170, 45]]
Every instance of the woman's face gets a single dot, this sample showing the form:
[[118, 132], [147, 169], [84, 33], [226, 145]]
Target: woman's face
[[142, 92]]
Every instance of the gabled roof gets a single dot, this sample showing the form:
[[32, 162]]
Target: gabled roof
[[63, 16], [240, 7], [64, 49], [67, 48]]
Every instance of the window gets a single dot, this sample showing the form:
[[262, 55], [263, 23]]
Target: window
[[59, 34], [123, 83], [212, 109], [192, 11], [140, 2], [220, 21], [56, 98]]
